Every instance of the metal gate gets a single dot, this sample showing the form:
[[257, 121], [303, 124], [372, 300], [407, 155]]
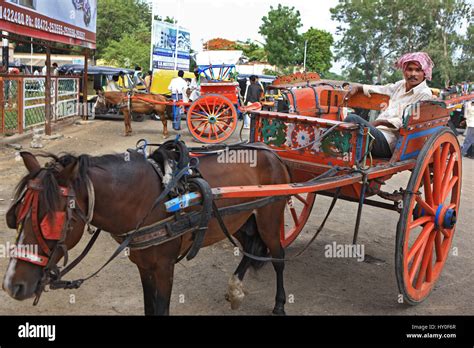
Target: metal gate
[[22, 101]]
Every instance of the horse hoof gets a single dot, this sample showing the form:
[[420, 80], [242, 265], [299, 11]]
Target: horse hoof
[[278, 311], [235, 292], [235, 304]]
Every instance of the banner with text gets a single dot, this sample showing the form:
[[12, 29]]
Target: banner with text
[[167, 41], [71, 22]]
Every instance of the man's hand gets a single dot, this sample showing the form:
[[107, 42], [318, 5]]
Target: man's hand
[[355, 88], [385, 123]]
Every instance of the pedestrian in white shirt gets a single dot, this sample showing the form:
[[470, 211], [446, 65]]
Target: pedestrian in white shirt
[[195, 86], [177, 87], [417, 68], [469, 135], [54, 69]]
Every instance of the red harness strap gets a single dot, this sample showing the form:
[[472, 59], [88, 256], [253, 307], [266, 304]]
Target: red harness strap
[[49, 229], [25, 255], [36, 227]]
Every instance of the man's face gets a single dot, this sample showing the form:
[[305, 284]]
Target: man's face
[[413, 75]]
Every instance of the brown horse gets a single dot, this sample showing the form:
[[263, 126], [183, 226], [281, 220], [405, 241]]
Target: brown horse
[[120, 184], [127, 106]]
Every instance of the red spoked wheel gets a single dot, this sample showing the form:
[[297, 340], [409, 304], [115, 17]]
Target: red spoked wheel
[[212, 119], [428, 218], [297, 211]]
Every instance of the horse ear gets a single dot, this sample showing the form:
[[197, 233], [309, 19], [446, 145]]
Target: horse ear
[[69, 173], [30, 161]]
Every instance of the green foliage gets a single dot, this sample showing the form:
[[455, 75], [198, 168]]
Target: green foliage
[[329, 75], [465, 66], [270, 72], [280, 30], [252, 51], [118, 20], [130, 50], [376, 32], [318, 50], [168, 19]]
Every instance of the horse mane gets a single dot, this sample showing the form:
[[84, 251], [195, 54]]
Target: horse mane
[[49, 195]]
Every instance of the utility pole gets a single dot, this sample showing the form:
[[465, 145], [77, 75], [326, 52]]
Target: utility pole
[[177, 38], [5, 52], [47, 94], [304, 60], [152, 41]]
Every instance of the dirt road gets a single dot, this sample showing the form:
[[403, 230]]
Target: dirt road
[[315, 284]]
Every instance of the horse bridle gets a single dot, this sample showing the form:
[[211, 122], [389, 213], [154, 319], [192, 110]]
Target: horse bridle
[[46, 230]]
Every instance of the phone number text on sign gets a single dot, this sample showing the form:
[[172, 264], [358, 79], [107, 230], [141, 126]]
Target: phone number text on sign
[[39, 23]]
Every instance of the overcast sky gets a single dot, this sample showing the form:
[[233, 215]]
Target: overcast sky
[[240, 19]]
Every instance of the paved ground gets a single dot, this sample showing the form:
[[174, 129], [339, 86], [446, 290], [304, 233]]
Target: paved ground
[[316, 285]]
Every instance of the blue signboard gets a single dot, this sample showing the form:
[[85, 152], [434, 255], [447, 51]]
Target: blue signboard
[[171, 47]]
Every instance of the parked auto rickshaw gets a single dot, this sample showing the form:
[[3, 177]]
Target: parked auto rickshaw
[[162, 78]]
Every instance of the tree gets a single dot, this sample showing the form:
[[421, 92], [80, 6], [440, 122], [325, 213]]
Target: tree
[[332, 76], [130, 50], [447, 16], [465, 65], [280, 30], [318, 50], [363, 44], [252, 51], [374, 33], [116, 18], [168, 19]]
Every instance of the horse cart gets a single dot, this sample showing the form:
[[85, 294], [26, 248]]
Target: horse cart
[[330, 157], [212, 117], [300, 156]]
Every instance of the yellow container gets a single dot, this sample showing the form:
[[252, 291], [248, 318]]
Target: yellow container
[[162, 78]]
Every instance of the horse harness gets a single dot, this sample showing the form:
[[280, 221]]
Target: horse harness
[[185, 178]]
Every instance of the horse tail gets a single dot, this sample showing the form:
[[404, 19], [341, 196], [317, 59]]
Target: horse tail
[[253, 243]]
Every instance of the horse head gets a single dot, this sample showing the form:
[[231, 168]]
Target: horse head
[[49, 220]]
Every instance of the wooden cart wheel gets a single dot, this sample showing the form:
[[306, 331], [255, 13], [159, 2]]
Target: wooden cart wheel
[[297, 210], [212, 119], [428, 218]]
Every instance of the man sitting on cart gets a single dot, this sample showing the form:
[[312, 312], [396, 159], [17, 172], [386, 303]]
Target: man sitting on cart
[[417, 68]]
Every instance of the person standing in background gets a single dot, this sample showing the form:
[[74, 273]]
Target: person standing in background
[[254, 94], [177, 87], [466, 149], [148, 80]]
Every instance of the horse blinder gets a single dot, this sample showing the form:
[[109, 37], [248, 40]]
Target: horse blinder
[[11, 216]]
